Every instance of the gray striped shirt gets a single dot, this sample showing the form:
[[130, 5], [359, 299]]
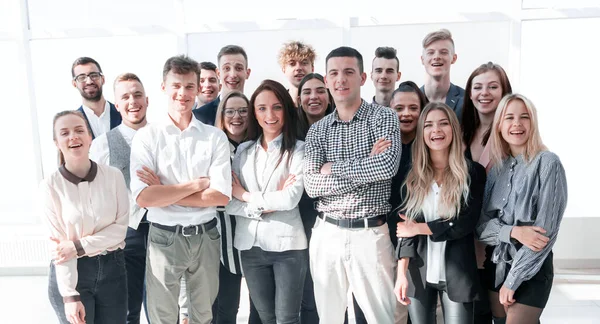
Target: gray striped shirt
[[518, 193]]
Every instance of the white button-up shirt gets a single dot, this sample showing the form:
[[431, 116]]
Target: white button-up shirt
[[436, 251], [99, 125], [179, 156]]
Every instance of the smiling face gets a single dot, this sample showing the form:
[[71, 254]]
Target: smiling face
[[295, 70], [408, 108], [209, 86], [233, 72], [486, 92], [131, 102], [314, 98], [438, 57], [437, 131], [344, 79], [515, 126], [269, 112], [72, 138], [89, 89], [235, 117], [385, 74], [181, 90]]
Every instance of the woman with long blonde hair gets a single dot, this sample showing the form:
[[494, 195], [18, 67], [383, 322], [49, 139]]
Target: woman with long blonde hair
[[524, 202], [441, 205]]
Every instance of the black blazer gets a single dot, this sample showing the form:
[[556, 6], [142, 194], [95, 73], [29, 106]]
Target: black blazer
[[115, 118], [207, 113], [462, 281], [454, 99]]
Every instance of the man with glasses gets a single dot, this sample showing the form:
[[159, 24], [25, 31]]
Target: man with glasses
[[100, 114]]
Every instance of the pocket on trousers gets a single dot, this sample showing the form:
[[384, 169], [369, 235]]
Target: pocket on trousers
[[213, 234], [161, 237]]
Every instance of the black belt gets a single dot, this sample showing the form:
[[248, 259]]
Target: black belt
[[188, 230], [355, 223]]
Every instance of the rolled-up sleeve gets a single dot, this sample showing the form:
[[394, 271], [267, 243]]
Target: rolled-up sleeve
[[220, 166], [141, 155]]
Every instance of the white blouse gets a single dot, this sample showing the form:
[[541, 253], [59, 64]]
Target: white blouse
[[436, 251]]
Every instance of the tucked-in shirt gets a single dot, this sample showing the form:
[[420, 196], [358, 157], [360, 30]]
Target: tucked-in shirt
[[436, 251], [178, 156], [99, 125], [100, 152], [359, 185], [92, 212], [520, 193]]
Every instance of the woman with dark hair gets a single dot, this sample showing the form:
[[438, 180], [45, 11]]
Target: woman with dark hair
[[485, 88], [231, 118], [86, 210], [315, 102], [267, 186], [441, 204]]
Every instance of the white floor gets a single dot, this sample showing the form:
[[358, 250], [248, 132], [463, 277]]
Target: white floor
[[23, 299]]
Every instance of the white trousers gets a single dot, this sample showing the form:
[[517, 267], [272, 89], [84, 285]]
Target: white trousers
[[358, 259]]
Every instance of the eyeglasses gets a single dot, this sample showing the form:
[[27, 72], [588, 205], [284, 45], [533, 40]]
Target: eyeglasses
[[230, 112], [94, 76]]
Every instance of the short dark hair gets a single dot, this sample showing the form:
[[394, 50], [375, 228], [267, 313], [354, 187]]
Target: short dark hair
[[181, 64], [388, 53], [345, 51], [232, 50], [208, 66], [82, 61]]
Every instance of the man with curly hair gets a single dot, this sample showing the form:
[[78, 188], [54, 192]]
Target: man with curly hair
[[296, 60]]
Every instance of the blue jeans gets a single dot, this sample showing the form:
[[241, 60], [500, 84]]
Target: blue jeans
[[102, 285], [276, 281], [135, 262]]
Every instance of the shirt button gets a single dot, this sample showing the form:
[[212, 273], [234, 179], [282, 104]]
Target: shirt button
[[503, 199], [451, 224], [509, 184]]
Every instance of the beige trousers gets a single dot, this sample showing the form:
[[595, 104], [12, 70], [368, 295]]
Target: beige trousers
[[172, 256]]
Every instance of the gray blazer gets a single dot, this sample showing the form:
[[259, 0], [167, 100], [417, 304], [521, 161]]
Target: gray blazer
[[277, 231]]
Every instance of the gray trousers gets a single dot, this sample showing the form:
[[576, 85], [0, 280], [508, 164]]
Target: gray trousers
[[172, 256]]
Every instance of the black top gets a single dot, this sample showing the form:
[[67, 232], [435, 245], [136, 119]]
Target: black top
[[461, 267], [397, 181], [207, 113]]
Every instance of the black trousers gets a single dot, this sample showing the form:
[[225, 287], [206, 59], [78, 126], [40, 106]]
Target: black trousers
[[227, 304], [422, 308], [135, 261]]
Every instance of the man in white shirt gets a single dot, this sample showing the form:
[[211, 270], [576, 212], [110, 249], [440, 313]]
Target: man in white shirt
[[88, 78], [114, 148], [187, 163]]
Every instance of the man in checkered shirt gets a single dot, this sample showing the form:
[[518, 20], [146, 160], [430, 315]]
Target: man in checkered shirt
[[351, 157]]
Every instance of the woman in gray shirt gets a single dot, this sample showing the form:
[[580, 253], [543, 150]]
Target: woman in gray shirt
[[523, 205]]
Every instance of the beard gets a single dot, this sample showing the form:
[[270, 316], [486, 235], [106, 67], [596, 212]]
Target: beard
[[95, 96]]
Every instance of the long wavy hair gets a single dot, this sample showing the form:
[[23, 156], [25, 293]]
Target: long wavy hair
[[499, 147], [290, 118], [455, 185]]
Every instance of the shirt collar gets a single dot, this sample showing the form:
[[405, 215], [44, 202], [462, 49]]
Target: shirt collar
[[89, 111], [275, 144], [359, 115], [75, 179], [194, 123]]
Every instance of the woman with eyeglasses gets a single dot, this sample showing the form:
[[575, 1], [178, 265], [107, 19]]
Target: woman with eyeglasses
[[267, 186], [86, 210]]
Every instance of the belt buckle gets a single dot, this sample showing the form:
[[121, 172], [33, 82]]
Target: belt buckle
[[187, 235]]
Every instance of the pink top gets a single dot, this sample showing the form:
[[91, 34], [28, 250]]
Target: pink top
[[92, 212]]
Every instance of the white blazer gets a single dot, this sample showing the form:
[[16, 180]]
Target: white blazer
[[282, 229]]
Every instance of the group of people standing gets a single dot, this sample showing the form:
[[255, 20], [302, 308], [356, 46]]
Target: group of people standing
[[309, 192]]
